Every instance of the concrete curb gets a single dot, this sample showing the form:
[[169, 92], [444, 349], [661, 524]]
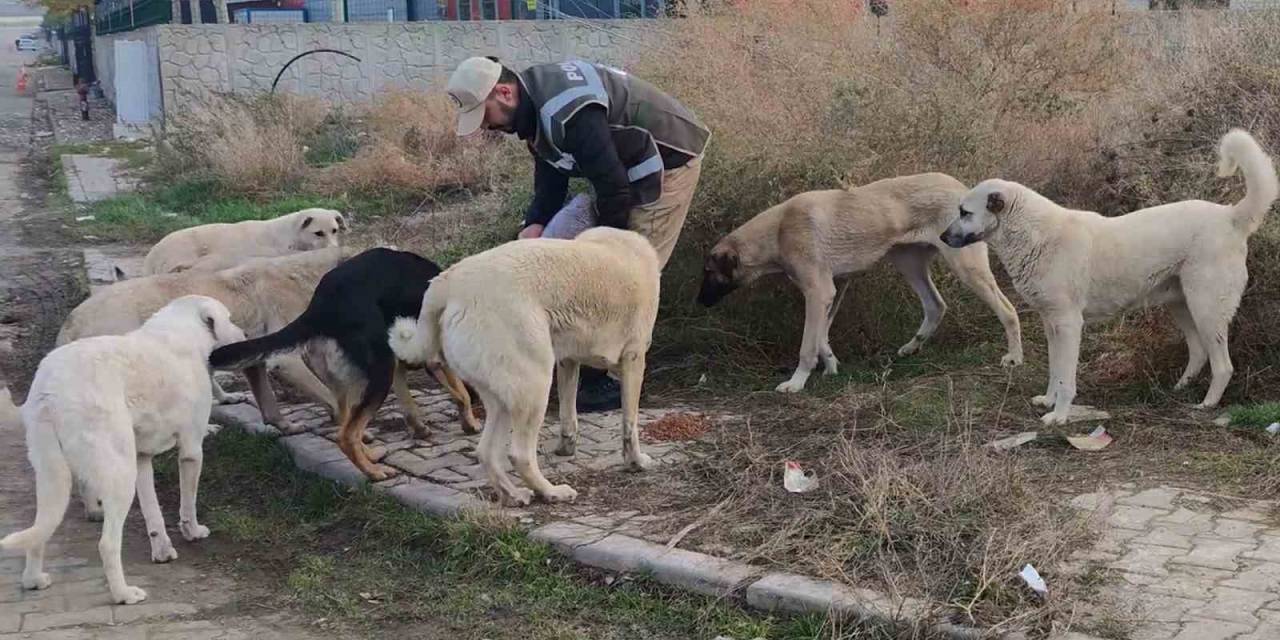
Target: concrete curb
[[597, 548]]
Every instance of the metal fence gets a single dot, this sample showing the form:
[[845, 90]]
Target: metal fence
[[113, 16]]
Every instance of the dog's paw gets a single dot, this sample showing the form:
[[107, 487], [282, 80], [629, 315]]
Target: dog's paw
[[790, 386], [162, 550], [375, 454], [567, 447], [830, 365], [235, 397], [1202, 406], [36, 582], [471, 426], [129, 595], [1053, 419], [192, 531], [518, 497], [212, 429], [560, 493], [909, 348], [382, 472], [1042, 401], [1011, 360], [641, 462]]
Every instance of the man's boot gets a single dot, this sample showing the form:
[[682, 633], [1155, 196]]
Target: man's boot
[[597, 391]]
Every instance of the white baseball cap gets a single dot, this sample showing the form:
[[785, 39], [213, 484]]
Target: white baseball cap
[[469, 86]]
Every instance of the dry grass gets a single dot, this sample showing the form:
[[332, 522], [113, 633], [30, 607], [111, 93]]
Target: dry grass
[[399, 149]]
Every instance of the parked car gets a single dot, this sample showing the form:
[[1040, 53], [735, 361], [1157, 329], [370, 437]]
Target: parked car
[[27, 43]]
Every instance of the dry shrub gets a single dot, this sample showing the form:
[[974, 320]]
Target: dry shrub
[[411, 150], [251, 145], [801, 95]]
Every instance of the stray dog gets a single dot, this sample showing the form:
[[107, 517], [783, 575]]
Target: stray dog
[[100, 409], [1076, 266], [263, 294], [222, 245], [345, 325], [818, 235], [505, 318]]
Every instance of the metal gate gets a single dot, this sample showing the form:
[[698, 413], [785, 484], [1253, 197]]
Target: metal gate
[[81, 35]]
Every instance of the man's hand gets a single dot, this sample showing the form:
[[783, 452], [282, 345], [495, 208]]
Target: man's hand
[[531, 231]]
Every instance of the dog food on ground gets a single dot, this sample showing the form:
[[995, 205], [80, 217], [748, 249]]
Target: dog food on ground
[[675, 426]]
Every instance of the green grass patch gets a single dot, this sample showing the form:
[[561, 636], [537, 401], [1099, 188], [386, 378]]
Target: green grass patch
[[1256, 415], [148, 215], [361, 561], [135, 154]]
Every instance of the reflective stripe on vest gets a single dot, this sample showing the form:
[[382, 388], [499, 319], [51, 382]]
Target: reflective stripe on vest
[[594, 88]]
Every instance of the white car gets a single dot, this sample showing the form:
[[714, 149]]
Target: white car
[[27, 43]]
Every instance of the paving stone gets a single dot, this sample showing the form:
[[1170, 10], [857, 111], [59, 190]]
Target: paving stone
[[1182, 586], [1215, 554], [1163, 537], [407, 462], [433, 498], [1157, 631], [1132, 517], [1269, 550], [801, 594], [1254, 513], [446, 476], [42, 621], [1148, 560], [1187, 522], [343, 472], [1257, 576], [124, 614], [310, 452], [1235, 605], [1211, 630], [1158, 498], [1165, 609], [1237, 529], [457, 446]]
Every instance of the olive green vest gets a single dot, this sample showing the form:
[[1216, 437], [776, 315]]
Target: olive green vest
[[641, 117]]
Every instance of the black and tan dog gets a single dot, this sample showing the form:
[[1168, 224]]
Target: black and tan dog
[[344, 332]]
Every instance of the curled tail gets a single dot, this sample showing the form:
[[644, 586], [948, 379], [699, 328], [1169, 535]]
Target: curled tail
[[419, 342], [251, 352], [1238, 151]]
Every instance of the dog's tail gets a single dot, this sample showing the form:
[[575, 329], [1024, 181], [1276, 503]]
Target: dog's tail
[[251, 352], [10, 413], [419, 342], [53, 481], [1238, 151]]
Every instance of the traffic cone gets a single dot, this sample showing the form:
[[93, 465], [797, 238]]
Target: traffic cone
[[22, 79]]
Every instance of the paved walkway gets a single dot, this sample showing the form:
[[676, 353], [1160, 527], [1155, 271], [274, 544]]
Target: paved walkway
[[1192, 570], [189, 598], [93, 178]]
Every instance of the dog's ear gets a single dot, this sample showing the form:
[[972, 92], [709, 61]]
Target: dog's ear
[[995, 202], [726, 262], [306, 222], [209, 323], [342, 222]]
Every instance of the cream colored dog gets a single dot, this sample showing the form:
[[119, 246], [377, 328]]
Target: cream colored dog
[[222, 245], [100, 409], [1077, 266], [816, 236], [505, 318], [263, 294]]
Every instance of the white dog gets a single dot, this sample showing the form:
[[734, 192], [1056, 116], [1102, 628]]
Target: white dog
[[212, 247], [99, 409], [1076, 266], [505, 318]]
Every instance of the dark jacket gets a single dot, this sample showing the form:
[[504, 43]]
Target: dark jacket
[[617, 131]]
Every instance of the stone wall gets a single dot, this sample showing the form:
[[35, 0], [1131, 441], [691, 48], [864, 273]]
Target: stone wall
[[194, 60]]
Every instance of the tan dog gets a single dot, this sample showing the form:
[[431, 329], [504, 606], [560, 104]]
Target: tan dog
[[1077, 266], [818, 235], [505, 318], [263, 295], [222, 245]]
